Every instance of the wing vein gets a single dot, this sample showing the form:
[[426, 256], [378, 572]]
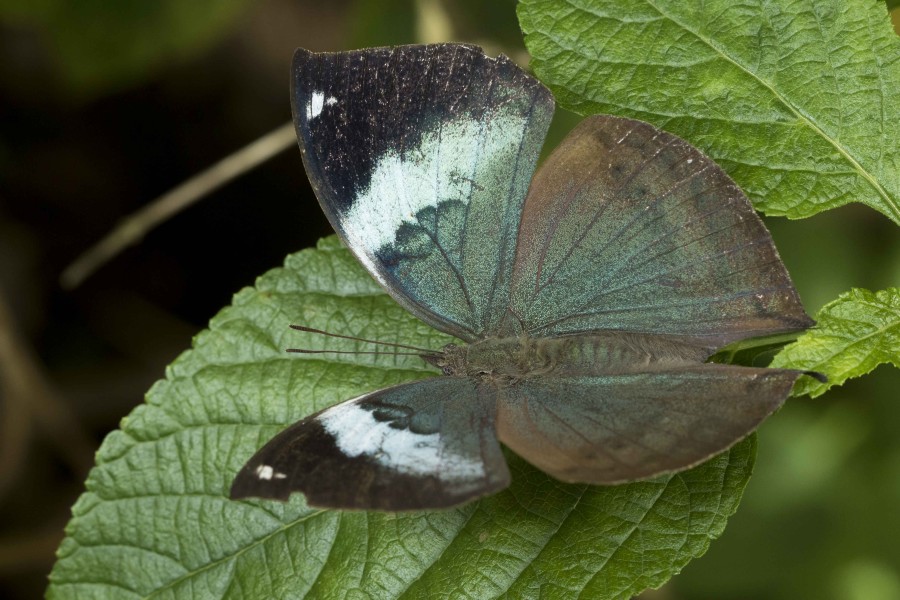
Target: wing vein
[[601, 210]]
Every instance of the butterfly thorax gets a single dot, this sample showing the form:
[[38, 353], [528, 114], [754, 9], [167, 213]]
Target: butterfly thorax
[[505, 361]]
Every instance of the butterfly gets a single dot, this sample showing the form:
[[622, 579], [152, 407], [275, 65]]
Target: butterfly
[[588, 297]]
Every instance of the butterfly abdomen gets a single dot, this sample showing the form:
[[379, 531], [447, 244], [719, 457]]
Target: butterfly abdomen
[[507, 360]]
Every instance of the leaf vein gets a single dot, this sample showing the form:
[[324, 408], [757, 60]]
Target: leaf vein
[[889, 202]]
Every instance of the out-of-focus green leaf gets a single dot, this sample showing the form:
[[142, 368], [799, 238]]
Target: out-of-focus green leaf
[[383, 22], [855, 333], [102, 45], [493, 22], [156, 521], [822, 498], [799, 101]]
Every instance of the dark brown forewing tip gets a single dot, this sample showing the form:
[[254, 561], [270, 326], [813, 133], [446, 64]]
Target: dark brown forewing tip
[[807, 322], [301, 55], [820, 377]]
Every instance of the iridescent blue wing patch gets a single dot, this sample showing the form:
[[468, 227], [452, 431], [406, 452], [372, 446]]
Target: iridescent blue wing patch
[[630, 228], [421, 157], [426, 444]]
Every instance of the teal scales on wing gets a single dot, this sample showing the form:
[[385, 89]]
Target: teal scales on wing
[[589, 296]]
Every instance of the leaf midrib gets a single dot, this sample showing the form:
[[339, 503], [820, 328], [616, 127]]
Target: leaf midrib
[[890, 203], [855, 341], [234, 555]]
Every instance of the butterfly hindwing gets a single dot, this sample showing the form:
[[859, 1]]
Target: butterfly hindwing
[[616, 428], [629, 228], [421, 157], [425, 444]]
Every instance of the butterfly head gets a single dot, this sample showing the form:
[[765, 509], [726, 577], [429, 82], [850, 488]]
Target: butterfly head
[[451, 359]]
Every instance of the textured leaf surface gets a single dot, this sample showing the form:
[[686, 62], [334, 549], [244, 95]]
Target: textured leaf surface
[[855, 333], [799, 101], [156, 522]]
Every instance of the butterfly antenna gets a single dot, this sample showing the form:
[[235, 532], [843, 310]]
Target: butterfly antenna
[[354, 352], [358, 339]]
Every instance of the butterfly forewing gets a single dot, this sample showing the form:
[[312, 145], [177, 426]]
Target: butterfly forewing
[[617, 428], [421, 157], [426, 444], [629, 228]]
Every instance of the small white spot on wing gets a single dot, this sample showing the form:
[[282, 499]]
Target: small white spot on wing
[[314, 106], [266, 473], [318, 101]]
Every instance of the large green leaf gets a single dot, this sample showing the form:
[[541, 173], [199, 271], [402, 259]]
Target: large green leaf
[[799, 101], [156, 521], [855, 333]]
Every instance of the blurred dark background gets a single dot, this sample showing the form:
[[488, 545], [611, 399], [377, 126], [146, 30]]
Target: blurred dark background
[[105, 106]]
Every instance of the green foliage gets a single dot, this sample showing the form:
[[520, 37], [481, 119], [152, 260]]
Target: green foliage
[[383, 23], [494, 21], [855, 333], [818, 517], [798, 101], [156, 521], [100, 45]]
